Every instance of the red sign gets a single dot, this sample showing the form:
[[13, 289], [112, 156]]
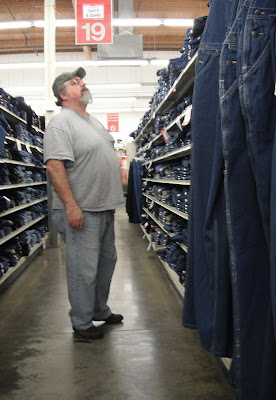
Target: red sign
[[113, 122], [93, 21]]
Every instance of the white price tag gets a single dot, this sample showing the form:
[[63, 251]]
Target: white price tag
[[151, 205], [18, 144], [178, 123], [188, 115], [165, 135], [28, 148]]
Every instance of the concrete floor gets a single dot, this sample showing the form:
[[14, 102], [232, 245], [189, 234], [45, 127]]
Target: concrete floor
[[148, 357]]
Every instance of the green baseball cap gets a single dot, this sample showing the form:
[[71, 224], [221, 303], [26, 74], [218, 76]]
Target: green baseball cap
[[64, 77]]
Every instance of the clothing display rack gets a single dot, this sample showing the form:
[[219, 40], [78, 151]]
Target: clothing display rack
[[163, 158], [23, 187], [154, 205]]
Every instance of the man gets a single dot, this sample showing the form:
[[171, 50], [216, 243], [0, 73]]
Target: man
[[85, 173]]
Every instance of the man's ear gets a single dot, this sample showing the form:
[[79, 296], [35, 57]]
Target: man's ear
[[62, 96]]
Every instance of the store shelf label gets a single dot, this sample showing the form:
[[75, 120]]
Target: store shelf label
[[188, 115], [28, 148], [18, 144], [165, 135]]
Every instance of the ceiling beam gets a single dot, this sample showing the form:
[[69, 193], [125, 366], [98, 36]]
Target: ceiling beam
[[87, 52]]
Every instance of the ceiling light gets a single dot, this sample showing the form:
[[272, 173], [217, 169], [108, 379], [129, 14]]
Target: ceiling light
[[115, 22], [115, 86], [136, 22], [26, 89], [123, 109], [22, 65], [104, 63], [100, 63], [159, 62], [59, 23], [178, 22], [15, 24], [112, 99]]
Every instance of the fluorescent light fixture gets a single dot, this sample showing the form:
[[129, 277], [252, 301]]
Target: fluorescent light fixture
[[15, 24], [123, 109], [113, 99], [60, 23], [22, 65], [178, 22], [26, 89], [159, 62], [102, 63], [70, 64], [114, 63], [136, 22], [152, 22], [114, 86]]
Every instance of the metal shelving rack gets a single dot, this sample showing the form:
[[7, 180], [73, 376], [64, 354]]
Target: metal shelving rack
[[23, 263], [182, 87]]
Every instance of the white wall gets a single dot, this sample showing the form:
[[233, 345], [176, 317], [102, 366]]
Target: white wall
[[128, 122]]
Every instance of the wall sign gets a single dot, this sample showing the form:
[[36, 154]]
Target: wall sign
[[93, 21], [113, 122]]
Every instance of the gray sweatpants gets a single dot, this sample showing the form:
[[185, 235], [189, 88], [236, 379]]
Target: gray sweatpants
[[90, 261]]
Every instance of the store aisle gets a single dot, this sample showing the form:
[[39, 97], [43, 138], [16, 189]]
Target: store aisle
[[148, 357]]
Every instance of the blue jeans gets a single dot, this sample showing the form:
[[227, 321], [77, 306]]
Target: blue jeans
[[90, 261], [208, 302], [245, 74]]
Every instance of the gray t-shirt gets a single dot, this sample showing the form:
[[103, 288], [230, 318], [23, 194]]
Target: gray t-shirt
[[91, 162]]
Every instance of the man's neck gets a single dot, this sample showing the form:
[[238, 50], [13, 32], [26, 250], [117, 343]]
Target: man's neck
[[80, 108]]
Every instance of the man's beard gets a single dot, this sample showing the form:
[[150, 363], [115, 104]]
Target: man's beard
[[86, 97]]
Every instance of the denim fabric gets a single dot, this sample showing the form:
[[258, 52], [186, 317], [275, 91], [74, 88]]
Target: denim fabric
[[6, 203], [4, 123], [29, 238], [4, 175], [167, 76], [12, 255], [256, 92], [2, 138], [6, 227], [246, 79], [38, 141], [173, 255], [134, 193], [207, 303], [273, 239], [90, 261]]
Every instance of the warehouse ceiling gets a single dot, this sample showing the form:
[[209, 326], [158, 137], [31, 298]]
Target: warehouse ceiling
[[28, 40]]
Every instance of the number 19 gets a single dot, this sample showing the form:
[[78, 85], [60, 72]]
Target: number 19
[[97, 34]]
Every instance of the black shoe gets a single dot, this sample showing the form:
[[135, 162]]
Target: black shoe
[[114, 319], [90, 333]]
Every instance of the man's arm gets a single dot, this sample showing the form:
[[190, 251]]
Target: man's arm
[[59, 179]]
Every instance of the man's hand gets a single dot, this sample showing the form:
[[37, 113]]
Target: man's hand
[[59, 179], [75, 217]]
